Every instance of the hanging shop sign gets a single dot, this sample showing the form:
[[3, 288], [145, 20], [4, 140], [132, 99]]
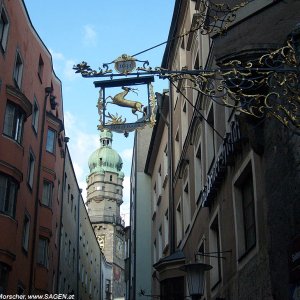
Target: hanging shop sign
[[230, 146], [139, 113]]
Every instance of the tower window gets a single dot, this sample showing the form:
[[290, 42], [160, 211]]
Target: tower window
[[110, 178]]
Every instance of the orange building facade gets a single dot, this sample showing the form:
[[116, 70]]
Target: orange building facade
[[31, 157]]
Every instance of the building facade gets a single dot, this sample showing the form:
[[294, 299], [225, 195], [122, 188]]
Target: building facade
[[234, 181], [46, 234], [80, 253], [31, 156], [104, 197], [139, 242]]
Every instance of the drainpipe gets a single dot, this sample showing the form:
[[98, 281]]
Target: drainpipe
[[135, 215], [78, 236], [66, 140], [48, 91]]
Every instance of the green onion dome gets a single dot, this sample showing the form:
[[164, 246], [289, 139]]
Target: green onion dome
[[105, 158]]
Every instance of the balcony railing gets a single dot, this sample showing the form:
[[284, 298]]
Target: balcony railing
[[108, 219]]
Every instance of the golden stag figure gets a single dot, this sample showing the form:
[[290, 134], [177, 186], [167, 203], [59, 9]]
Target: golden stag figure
[[120, 100]]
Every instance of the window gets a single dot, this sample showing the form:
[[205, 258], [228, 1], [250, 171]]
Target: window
[[159, 185], [165, 164], [47, 193], [50, 146], [3, 29], [210, 143], [26, 230], [176, 148], [43, 252], [14, 121], [166, 228], [4, 271], [18, 70], [184, 120], [248, 213], [107, 285], [154, 253], [31, 164], [245, 212], [65, 181], [197, 162], [8, 195], [214, 247], [35, 115], [41, 68], [186, 207], [72, 200], [178, 223], [160, 246], [154, 199]]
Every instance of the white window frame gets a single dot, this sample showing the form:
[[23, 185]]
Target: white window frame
[[51, 140], [43, 252], [14, 121], [47, 193]]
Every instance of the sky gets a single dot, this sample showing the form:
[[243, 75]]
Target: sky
[[98, 31]]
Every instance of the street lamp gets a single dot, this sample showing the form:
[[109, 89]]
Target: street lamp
[[195, 278]]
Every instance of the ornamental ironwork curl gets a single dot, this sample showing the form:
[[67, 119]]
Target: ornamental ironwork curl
[[215, 18], [86, 71], [262, 87]]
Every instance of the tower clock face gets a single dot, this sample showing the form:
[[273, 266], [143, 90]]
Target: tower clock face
[[101, 241]]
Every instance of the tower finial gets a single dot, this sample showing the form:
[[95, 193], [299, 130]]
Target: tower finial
[[106, 138]]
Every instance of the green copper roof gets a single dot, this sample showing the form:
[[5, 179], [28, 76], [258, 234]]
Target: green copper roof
[[105, 158]]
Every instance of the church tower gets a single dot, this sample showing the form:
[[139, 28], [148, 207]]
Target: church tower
[[104, 197]]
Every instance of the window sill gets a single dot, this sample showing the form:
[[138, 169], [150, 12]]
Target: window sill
[[25, 252], [154, 216], [35, 130], [245, 254], [51, 153], [30, 188], [14, 141], [158, 200], [3, 214]]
